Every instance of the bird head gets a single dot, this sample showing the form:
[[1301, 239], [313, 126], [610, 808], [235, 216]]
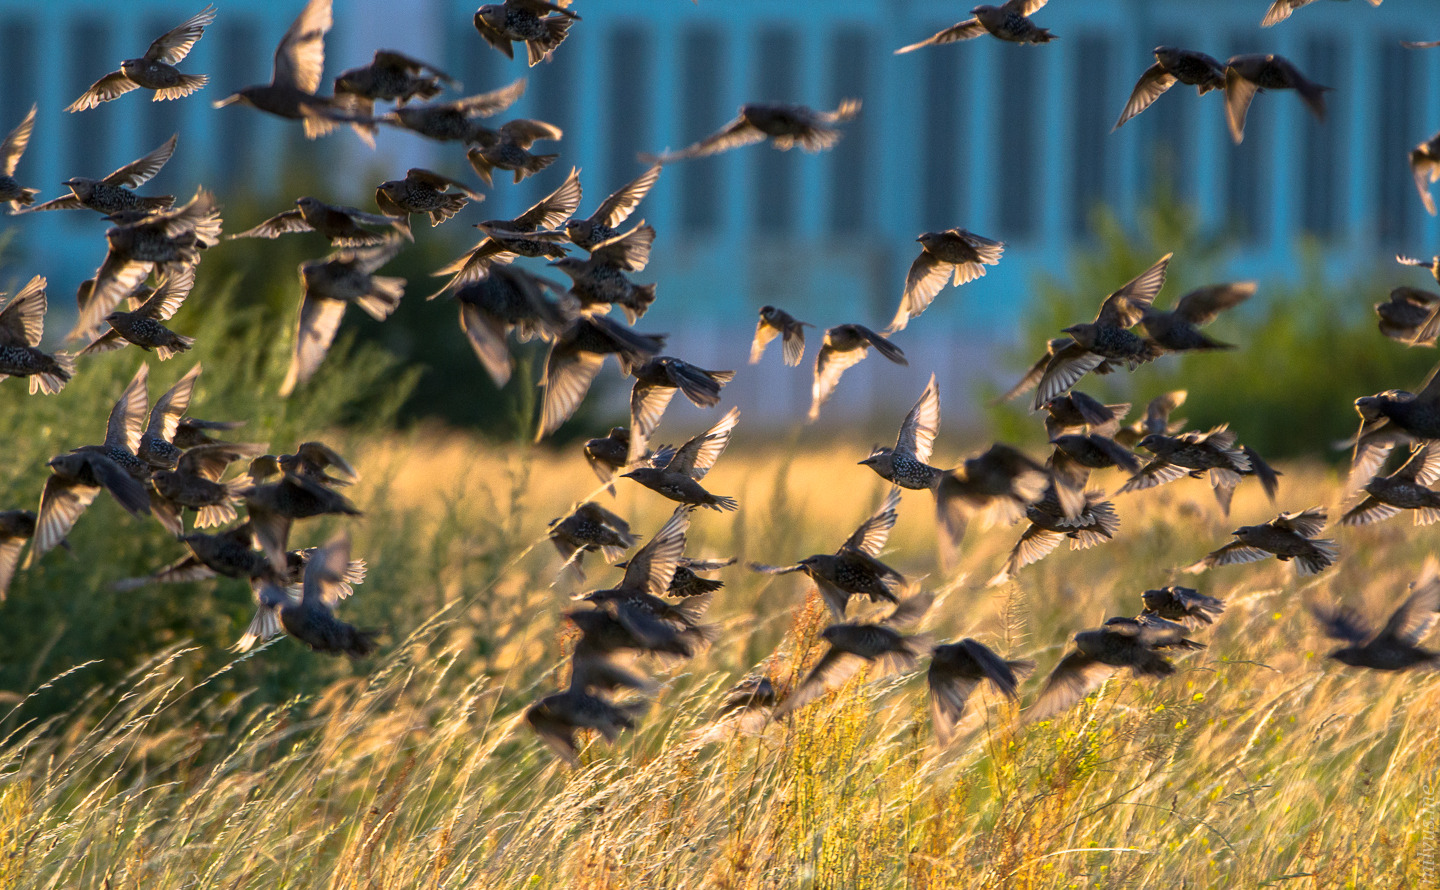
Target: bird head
[[1084, 334], [131, 67], [307, 203], [1350, 655], [877, 454], [1245, 531], [491, 15], [69, 464], [80, 188], [575, 228]]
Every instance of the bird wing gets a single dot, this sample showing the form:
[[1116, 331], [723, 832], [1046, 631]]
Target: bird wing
[[169, 294], [1024, 7], [927, 276], [1416, 616], [1202, 305], [1280, 10], [1063, 370], [314, 332], [525, 132], [493, 102], [630, 251], [872, 534], [142, 170], [647, 406], [1367, 511], [389, 58], [1076, 676], [300, 57], [764, 333], [962, 31], [922, 424], [1231, 554], [174, 45], [554, 208], [169, 408], [1419, 44], [111, 86], [616, 208], [14, 145], [439, 182], [567, 378], [487, 335], [833, 670], [1158, 471], [1238, 94], [1036, 371], [1151, 86], [1307, 524], [494, 37], [883, 346], [697, 456], [61, 503], [948, 695], [793, 346], [127, 418], [325, 570], [653, 565], [830, 364], [1035, 544], [22, 322], [735, 134], [1344, 623], [284, 223], [1123, 308]]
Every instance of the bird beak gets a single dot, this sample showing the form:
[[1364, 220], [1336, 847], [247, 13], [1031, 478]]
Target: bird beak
[[627, 475]]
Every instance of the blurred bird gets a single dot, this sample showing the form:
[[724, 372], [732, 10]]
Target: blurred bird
[[329, 285], [16, 527], [1280, 10], [1194, 454], [956, 671], [1391, 417], [1173, 65], [155, 447], [527, 21], [508, 148], [590, 527], [1410, 316], [391, 77], [575, 358], [907, 464], [422, 191], [458, 120], [300, 492], [314, 461], [845, 346], [603, 224], [745, 710], [1396, 646], [607, 454], [528, 234], [1408, 488], [1098, 653], [156, 69], [999, 483], [620, 627], [341, 225], [779, 323], [688, 583], [191, 433], [1249, 74], [1156, 420], [310, 617], [22, 325], [195, 483], [786, 126], [1009, 22], [600, 280], [953, 254], [144, 326], [1182, 604], [1077, 412], [113, 193], [855, 645], [1416, 44], [1290, 537], [1178, 330], [1053, 347], [508, 299], [557, 717], [1075, 455], [11, 191], [855, 568], [656, 382], [1108, 339], [1424, 165], [678, 477], [1094, 523]]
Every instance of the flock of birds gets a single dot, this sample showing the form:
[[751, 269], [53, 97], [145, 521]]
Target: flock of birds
[[160, 462]]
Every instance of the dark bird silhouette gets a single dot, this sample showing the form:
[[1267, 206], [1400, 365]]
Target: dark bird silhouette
[[1077, 412], [538, 24], [1249, 74], [300, 492], [607, 454], [656, 382], [1178, 329], [557, 718], [779, 323], [11, 191], [600, 280], [16, 528], [22, 325], [678, 475], [529, 234], [155, 447], [155, 70], [1075, 455], [1408, 488], [575, 358], [1094, 523], [786, 126], [191, 433], [1388, 418], [1173, 65], [1424, 165], [114, 192], [844, 347], [144, 327], [588, 529], [1292, 537], [1280, 10], [1182, 604], [508, 148], [391, 77], [310, 617], [999, 484], [1100, 652], [343, 226], [195, 483], [422, 191], [329, 285], [603, 224], [1410, 316], [745, 710], [457, 120], [855, 568], [508, 299], [855, 645], [1396, 646], [1009, 21], [1194, 454], [1107, 339], [955, 255], [688, 583], [908, 463], [1156, 420], [956, 671]]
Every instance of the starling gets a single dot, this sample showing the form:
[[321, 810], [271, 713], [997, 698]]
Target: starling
[[1076, 411], [678, 477], [745, 711], [11, 192], [191, 432], [687, 583], [956, 670], [527, 21], [1390, 417], [456, 121], [1424, 164], [1410, 316], [1408, 488], [156, 69], [195, 482], [341, 225], [575, 358], [329, 285], [907, 464], [1075, 455], [299, 63], [1173, 65], [1009, 22], [784, 125], [844, 346], [621, 627], [557, 717], [310, 617], [1396, 646], [1418, 44], [1156, 420], [1193, 454], [1000, 482], [656, 382], [274, 506], [314, 461], [143, 327], [422, 191], [1280, 10], [16, 527], [599, 281], [1098, 653], [1290, 537], [155, 447], [607, 454], [512, 240], [22, 325], [1182, 604], [1178, 329], [113, 193], [590, 528], [390, 77], [954, 254], [1247, 75], [508, 299], [508, 149], [854, 645], [169, 242], [1032, 376], [603, 224], [1095, 523], [855, 568], [595, 671], [779, 323]]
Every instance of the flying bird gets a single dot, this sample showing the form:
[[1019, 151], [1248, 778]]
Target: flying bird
[[575, 358], [1183, 604], [1396, 646], [600, 280], [342, 226], [538, 24], [1178, 330], [22, 325], [1193, 454], [457, 120], [529, 234], [955, 255], [301, 491], [1156, 420], [590, 528], [677, 476], [956, 671], [195, 483], [1009, 21], [11, 191], [1076, 412], [16, 528], [1388, 418], [1424, 165], [656, 382], [845, 346], [603, 224], [144, 326], [310, 617], [999, 483], [422, 191], [155, 447], [774, 323], [509, 299], [786, 126], [1410, 316], [1280, 10], [391, 77], [1095, 523], [1408, 488], [1141, 646], [155, 70], [908, 463], [113, 193], [1249, 74], [557, 718], [508, 148], [1173, 65], [1292, 537]]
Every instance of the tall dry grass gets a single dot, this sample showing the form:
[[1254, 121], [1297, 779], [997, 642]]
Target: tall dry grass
[[1259, 764]]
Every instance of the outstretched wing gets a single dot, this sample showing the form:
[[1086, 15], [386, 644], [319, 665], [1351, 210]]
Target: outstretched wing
[[1151, 86], [300, 57], [174, 45], [142, 170], [922, 424]]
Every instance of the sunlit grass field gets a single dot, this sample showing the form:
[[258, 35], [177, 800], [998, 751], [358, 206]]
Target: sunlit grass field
[[1258, 764]]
